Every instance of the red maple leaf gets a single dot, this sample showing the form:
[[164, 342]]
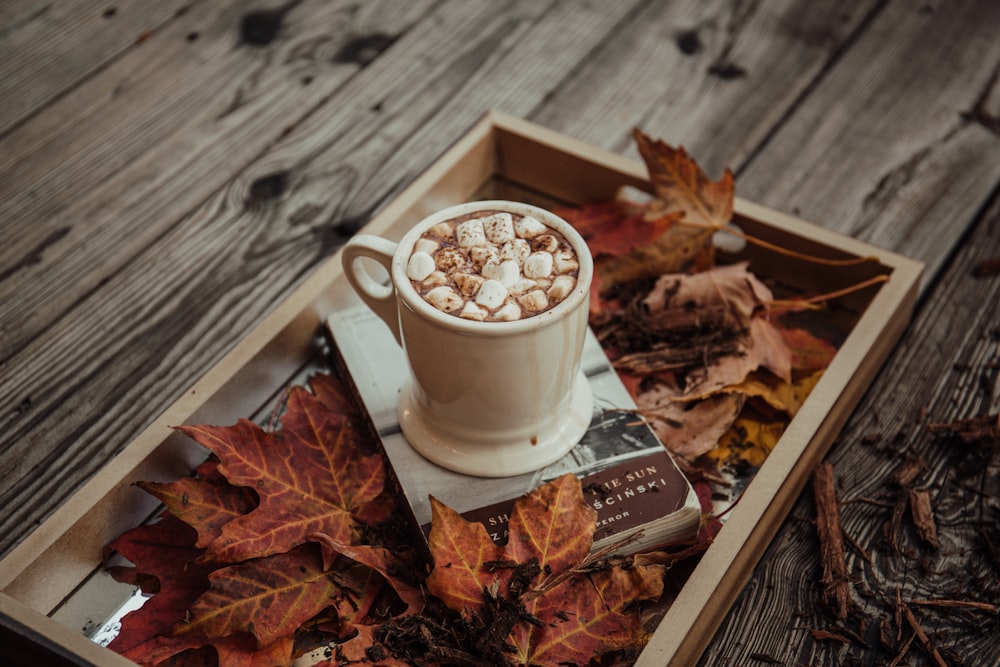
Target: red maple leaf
[[311, 479], [164, 551]]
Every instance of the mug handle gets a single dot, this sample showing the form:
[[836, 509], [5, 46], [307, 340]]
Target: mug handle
[[380, 298]]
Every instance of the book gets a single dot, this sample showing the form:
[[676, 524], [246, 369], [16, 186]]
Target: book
[[642, 499]]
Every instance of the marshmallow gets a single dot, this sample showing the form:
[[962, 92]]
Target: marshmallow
[[470, 233], [499, 227], [427, 245], [545, 242], [482, 254], [450, 259], [507, 272], [517, 250], [436, 278], [529, 227], [492, 294], [443, 230], [468, 283], [534, 301], [561, 287], [445, 299], [420, 266], [538, 265], [523, 285], [565, 261], [508, 313], [474, 311]]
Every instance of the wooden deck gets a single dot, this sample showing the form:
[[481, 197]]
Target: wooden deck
[[170, 171]]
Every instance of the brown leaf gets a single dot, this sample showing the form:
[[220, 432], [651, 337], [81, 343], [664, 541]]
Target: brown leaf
[[689, 429], [378, 559], [681, 185], [670, 234], [575, 609], [709, 325], [165, 551]]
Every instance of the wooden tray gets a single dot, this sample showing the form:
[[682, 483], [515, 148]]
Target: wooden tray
[[52, 585]]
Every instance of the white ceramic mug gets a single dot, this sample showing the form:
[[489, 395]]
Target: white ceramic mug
[[484, 398]]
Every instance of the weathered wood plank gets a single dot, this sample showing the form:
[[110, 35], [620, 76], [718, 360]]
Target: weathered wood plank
[[944, 369], [49, 48], [107, 167], [893, 145], [715, 77], [220, 268]]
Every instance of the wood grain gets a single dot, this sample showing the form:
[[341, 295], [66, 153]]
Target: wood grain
[[170, 171], [884, 148], [715, 77], [48, 48]]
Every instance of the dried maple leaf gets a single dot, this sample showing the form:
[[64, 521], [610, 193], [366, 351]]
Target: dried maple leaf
[[266, 597], [573, 609], [552, 525], [680, 185], [711, 325], [462, 552], [379, 559], [586, 616], [671, 233], [310, 480], [689, 429], [164, 550], [204, 504]]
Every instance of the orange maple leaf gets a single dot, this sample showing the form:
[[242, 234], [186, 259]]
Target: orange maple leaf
[[462, 553]]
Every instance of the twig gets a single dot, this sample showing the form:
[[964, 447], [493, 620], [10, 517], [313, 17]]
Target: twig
[[924, 639], [960, 604], [902, 653]]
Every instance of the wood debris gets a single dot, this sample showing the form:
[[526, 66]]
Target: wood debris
[[983, 429], [836, 583], [923, 516]]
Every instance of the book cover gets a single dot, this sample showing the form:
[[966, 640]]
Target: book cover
[[627, 475]]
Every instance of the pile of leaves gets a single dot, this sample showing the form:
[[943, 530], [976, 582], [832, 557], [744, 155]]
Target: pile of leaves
[[700, 346], [288, 541], [278, 545]]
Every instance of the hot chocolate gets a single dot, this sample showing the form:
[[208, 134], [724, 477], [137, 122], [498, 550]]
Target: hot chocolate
[[492, 266]]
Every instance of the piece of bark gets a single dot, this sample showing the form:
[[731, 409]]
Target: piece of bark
[[906, 473], [985, 428], [836, 585], [923, 517]]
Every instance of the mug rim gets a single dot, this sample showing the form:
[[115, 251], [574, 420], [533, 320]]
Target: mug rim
[[416, 303]]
